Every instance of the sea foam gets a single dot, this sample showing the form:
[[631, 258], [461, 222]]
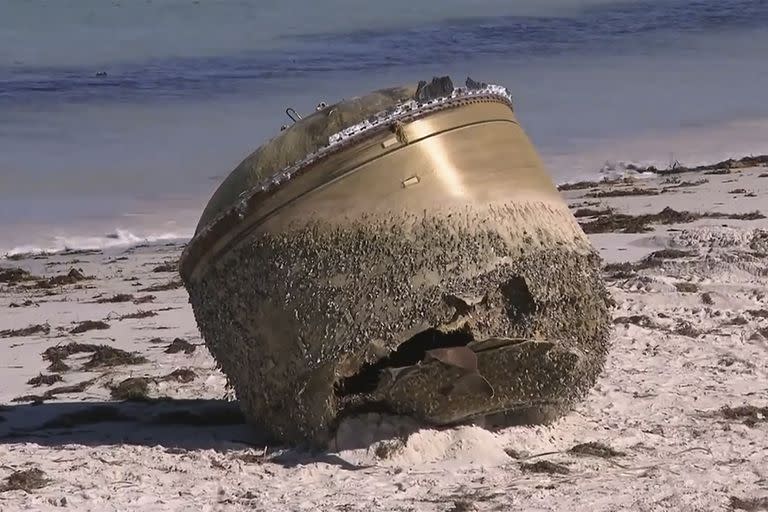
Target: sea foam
[[119, 238]]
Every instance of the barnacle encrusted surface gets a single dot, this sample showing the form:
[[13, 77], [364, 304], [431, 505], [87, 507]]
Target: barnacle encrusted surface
[[322, 318]]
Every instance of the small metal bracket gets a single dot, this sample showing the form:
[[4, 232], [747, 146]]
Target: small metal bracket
[[290, 112], [413, 180]]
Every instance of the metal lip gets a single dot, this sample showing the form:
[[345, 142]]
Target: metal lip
[[230, 226]]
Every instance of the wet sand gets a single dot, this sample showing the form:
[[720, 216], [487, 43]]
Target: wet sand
[[682, 402]]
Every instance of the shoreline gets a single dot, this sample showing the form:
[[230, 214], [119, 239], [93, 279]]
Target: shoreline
[[677, 420], [125, 237]]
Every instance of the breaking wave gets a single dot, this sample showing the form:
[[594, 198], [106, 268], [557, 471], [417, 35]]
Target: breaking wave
[[119, 239]]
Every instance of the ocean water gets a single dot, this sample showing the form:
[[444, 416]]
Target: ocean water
[[193, 86]]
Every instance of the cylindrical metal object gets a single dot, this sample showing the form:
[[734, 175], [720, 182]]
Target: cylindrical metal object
[[417, 260]]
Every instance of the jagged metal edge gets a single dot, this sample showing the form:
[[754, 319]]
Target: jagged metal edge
[[385, 118], [411, 107]]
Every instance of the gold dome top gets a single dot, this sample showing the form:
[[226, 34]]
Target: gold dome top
[[299, 140]]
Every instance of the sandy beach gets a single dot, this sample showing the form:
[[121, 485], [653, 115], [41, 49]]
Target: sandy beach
[[110, 400]]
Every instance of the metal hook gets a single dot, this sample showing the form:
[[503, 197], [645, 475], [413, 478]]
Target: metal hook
[[290, 112]]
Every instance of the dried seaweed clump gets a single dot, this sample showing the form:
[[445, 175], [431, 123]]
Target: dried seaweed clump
[[623, 192], [625, 223], [72, 277], [180, 345], [595, 449], [114, 299], [26, 480], [14, 275], [44, 380], [133, 388], [26, 331], [168, 266], [51, 393], [749, 414], [545, 466], [102, 356], [89, 325], [757, 504], [725, 165], [163, 287]]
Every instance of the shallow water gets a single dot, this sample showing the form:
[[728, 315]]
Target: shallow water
[[192, 87]]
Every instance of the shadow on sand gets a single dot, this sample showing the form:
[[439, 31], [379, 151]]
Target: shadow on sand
[[174, 424], [187, 424]]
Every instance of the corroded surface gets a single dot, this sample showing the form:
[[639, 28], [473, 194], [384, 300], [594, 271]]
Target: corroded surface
[[290, 314]]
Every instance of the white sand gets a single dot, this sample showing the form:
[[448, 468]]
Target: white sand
[[658, 400]]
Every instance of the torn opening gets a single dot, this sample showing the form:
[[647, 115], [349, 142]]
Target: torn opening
[[409, 353], [518, 300]]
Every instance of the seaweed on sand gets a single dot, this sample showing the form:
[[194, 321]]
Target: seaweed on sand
[[656, 259], [44, 380], [639, 320], [103, 355], [26, 331], [625, 223], [595, 449], [545, 466], [749, 504], [683, 184], [14, 275], [24, 304], [180, 345], [686, 287], [133, 388], [89, 325], [162, 287], [591, 212], [168, 266], [183, 375], [578, 185], [120, 297], [624, 192], [27, 480], [137, 388], [60, 390], [723, 167], [138, 315], [72, 277], [749, 414]]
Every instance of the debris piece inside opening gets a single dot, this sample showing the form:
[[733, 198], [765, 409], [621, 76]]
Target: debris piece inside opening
[[409, 353]]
